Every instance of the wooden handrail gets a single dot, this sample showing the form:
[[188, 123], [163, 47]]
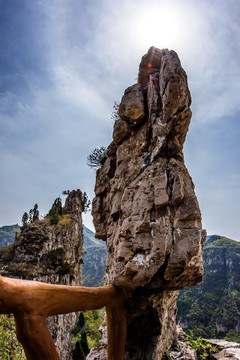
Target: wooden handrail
[[31, 302]]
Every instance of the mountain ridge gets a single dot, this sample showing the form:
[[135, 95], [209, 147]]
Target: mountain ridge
[[94, 259], [7, 234], [212, 309]]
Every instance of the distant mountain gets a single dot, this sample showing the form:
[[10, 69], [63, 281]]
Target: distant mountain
[[89, 240], [94, 260], [7, 234], [212, 309]]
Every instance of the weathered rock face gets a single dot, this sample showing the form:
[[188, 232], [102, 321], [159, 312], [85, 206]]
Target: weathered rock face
[[145, 207], [52, 254]]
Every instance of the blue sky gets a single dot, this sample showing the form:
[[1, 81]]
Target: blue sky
[[64, 63]]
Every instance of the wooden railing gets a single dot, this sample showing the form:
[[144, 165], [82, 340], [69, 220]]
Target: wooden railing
[[31, 302]]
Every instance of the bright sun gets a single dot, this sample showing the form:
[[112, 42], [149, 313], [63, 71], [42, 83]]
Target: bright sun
[[161, 26]]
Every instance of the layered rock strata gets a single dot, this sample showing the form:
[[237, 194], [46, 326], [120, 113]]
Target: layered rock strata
[[145, 207], [52, 254]]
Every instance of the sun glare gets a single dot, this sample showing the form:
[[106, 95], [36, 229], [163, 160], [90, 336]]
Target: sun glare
[[161, 26]]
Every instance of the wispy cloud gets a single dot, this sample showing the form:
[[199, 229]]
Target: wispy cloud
[[63, 64]]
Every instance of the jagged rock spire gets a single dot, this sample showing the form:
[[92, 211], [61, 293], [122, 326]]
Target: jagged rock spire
[[145, 207]]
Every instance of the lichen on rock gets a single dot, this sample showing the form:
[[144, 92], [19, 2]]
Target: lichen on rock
[[145, 207]]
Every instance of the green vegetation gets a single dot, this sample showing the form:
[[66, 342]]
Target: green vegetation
[[10, 348], [85, 202], [93, 320], [56, 261], [97, 157], [212, 309], [64, 221], [6, 253], [86, 333], [203, 347], [233, 336], [30, 217], [166, 355], [55, 212]]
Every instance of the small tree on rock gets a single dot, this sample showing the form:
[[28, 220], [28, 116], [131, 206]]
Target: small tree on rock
[[85, 202], [25, 219], [115, 112], [35, 216], [97, 157]]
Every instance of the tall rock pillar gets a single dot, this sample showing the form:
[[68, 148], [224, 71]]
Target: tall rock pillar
[[145, 207]]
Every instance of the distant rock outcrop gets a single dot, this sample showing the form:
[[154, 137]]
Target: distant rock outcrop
[[145, 207], [52, 254]]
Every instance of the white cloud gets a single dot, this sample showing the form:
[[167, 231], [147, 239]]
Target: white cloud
[[87, 54]]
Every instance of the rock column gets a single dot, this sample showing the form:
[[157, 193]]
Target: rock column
[[145, 207]]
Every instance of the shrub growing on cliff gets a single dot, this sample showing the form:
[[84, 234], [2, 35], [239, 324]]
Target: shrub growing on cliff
[[203, 347], [97, 157]]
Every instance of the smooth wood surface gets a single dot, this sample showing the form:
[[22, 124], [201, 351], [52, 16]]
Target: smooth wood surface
[[32, 302]]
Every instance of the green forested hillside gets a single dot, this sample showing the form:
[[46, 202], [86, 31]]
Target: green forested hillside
[[212, 309], [7, 234]]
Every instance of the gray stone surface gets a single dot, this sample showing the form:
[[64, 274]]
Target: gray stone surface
[[230, 350]]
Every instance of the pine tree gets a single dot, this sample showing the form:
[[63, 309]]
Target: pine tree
[[85, 202], [35, 213], [30, 215], [97, 157], [25, 219], [55, 211], [115, 112]]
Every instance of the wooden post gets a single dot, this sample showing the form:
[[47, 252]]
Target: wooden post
[[117, 330]]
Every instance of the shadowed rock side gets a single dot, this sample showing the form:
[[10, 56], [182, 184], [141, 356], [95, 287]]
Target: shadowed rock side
[[145, 207]]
